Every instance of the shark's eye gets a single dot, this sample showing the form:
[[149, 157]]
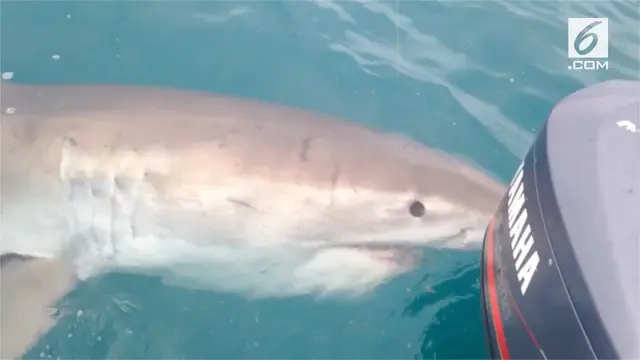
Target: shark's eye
[[416, 209]]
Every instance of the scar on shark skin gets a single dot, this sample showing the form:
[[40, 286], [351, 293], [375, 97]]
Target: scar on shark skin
[[240, 203], [72, 141], [6, 259], [306, 145]]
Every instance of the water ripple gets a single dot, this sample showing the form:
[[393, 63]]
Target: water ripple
[[406, 51]]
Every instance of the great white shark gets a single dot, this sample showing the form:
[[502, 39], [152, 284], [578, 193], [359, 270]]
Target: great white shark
[[213, 192]]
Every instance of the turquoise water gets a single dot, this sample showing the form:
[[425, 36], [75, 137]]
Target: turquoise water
[[474, 78]]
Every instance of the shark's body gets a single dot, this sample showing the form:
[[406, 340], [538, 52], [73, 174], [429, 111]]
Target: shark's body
[[215, 192]]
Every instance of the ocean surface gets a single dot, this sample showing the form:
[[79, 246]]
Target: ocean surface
[[475, 78]]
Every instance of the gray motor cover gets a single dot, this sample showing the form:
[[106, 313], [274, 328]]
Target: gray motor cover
[[593, 146]]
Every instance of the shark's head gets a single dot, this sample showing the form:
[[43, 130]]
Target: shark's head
[[406, 218], [362, 223], [398, 194]]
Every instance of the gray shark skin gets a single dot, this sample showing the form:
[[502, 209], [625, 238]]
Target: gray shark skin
[[29, 289], [218, 193]]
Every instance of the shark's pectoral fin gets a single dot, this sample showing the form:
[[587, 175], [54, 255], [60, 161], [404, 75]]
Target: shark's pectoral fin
[[29, 289]]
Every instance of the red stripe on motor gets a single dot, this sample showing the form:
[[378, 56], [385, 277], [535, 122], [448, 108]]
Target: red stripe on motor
[[493, 296]]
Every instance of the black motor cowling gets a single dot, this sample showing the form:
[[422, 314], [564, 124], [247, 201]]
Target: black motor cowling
[[561, 272]]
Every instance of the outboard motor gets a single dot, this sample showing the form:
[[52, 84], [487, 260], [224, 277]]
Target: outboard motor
[[560, 271]]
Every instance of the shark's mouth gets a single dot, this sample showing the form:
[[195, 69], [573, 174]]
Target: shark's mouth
[[458, 239], [404, 255], [399, 257]]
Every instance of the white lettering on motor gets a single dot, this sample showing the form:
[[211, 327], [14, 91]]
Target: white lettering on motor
[[525, 256]]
